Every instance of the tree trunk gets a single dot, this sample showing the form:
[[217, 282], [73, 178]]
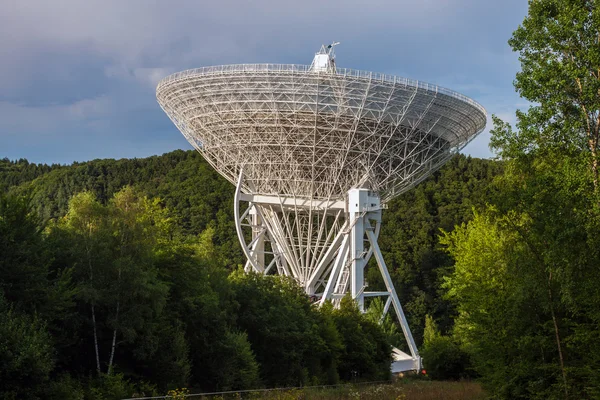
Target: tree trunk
[[592, 132], [592, 143], [114, 340], [557, 336], [538, 256], [94, 325], [96, 340]]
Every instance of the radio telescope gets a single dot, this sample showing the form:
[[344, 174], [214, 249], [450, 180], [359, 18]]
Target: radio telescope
[[315, 152]]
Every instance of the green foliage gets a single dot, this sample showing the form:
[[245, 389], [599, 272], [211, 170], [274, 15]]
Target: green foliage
[[109, 387], [65, 387], [494, 323], [238, 366], [525, 280], [366, 352], [162, 354], [443, 358], [294, 345], [200, 301], [409, 236], [111, 250], [143, 284], [374, 312], [14, 173], [198, 201], [524, 287], [560, 59], [109, 262], [22, 265], [195, 195], [25, 354]]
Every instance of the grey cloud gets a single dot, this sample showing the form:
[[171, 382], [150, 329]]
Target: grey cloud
[[73, 68]]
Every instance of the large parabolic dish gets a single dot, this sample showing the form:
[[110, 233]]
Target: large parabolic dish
[[311, 134], [316, 151]]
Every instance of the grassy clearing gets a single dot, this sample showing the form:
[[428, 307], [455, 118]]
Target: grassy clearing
[[400, 390]]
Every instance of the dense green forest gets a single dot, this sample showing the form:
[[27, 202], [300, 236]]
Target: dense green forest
[[123, 277], [526, 278]]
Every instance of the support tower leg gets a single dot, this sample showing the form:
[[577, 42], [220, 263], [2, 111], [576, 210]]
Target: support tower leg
[[340, 270]]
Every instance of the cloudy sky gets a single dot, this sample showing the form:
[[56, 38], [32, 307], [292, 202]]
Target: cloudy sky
[[77, 77]]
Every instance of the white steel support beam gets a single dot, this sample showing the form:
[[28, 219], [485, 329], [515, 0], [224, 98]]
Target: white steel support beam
[[394, 296], [322, 266], [386, 308], [346, 244], [364, 206], [238, 226], [258, 236], [336, 270], [256, 246], [357, 253]]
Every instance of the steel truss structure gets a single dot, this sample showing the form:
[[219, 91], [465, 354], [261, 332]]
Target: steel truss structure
[[315, 153]]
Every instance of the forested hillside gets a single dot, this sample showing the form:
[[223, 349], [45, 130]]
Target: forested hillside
[[197, 198], [192, 191], [132, 283]]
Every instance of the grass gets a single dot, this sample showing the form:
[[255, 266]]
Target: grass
[[399, 390]]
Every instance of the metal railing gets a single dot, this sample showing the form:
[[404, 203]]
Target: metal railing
[[250, 391]]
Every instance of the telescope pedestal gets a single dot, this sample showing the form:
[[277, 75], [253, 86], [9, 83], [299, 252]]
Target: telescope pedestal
[[330, 265]]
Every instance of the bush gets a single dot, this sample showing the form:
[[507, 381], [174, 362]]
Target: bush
[[65, 388], [366, 352], [110, 387], [25, 354], [443, 358]]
